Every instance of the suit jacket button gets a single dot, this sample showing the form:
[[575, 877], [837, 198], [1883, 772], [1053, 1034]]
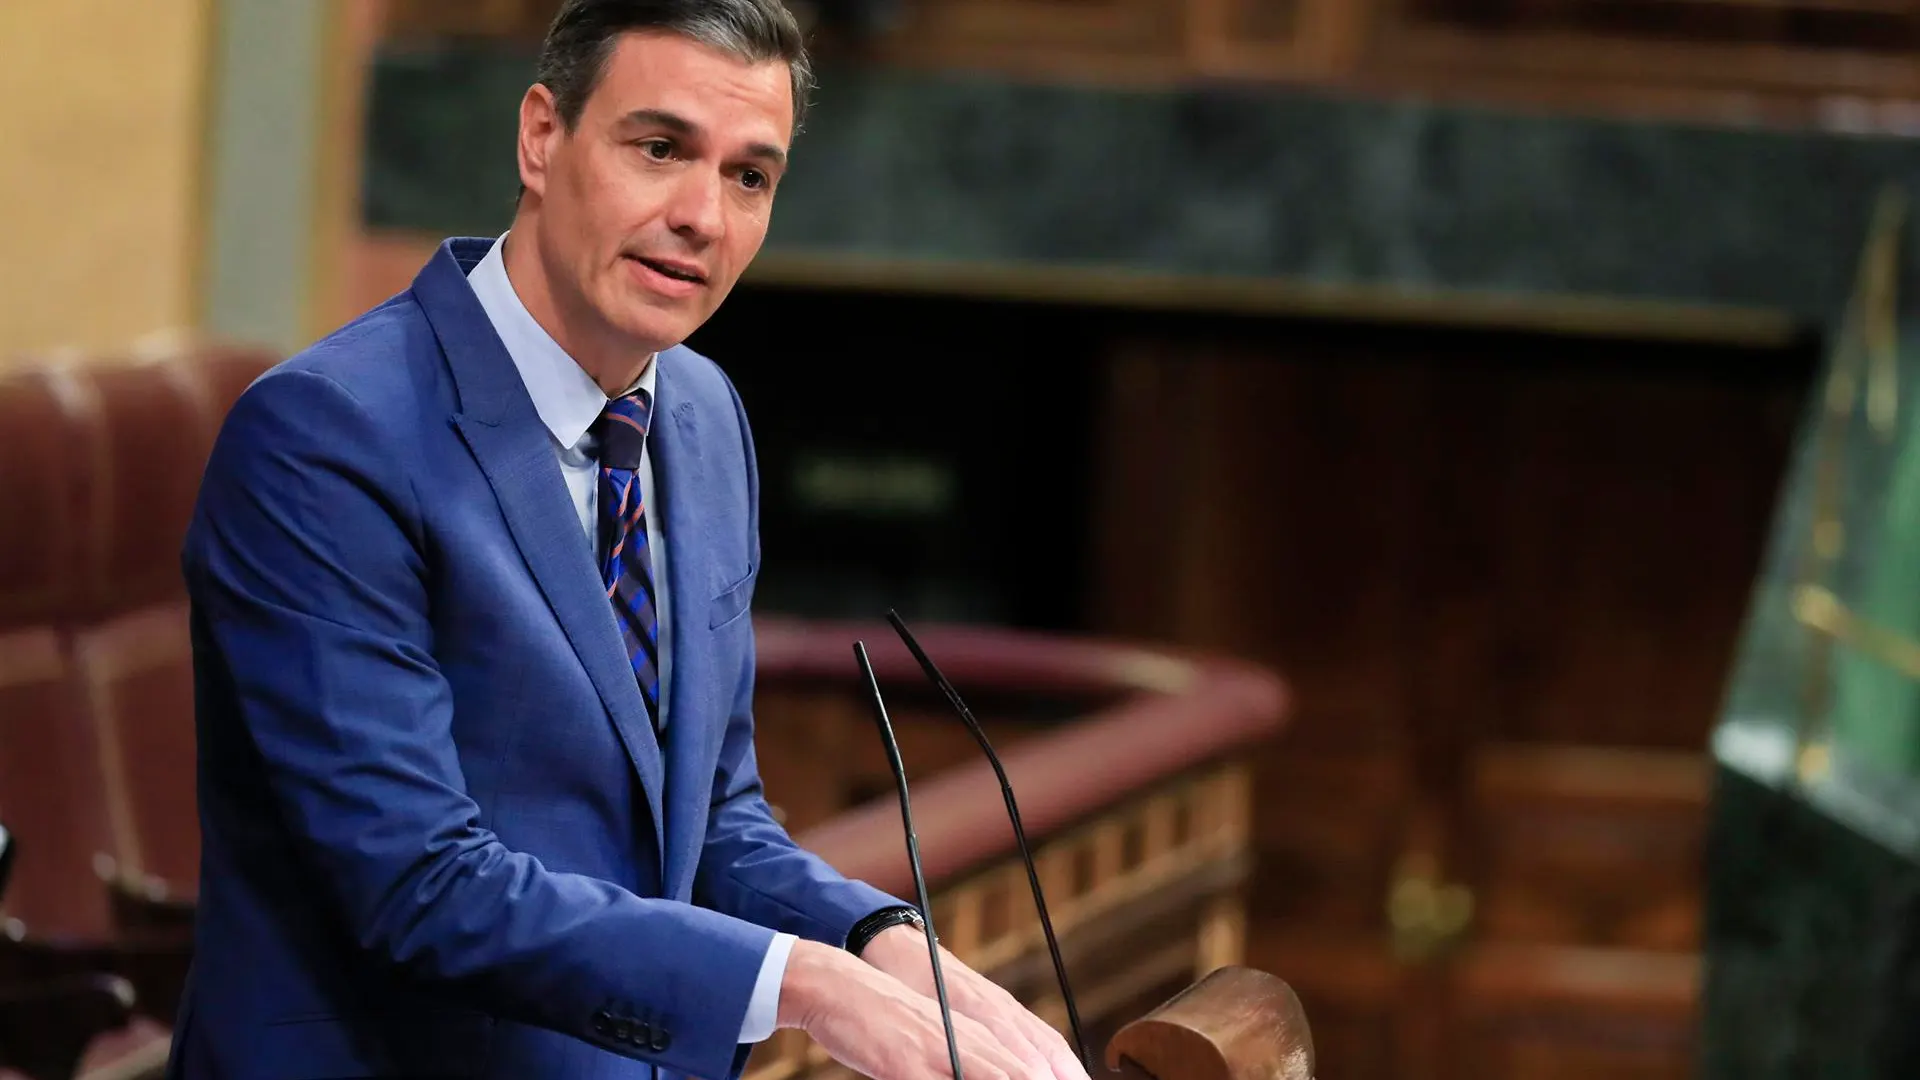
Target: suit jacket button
[[603, 1022], [660, 1040], [642, 1033], [622, 1029]]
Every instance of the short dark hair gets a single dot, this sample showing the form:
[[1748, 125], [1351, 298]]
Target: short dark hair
[[584, 32]]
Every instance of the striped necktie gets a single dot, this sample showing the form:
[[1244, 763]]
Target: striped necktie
[[627, 570]]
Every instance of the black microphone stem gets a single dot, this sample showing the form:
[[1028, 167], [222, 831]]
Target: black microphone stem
[[913, 851], [1019, 832]]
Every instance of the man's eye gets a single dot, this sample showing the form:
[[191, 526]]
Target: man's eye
[[657, 149], [753, 179]]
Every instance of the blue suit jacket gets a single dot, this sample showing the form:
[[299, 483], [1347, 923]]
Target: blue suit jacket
[[440, 837]]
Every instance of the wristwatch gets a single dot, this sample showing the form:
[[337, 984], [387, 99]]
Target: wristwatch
[[867, 929]]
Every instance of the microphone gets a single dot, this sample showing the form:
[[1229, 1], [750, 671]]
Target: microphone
[[1019, 833], [913, 850]]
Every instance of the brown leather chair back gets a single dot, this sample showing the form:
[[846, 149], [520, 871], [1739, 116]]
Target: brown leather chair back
[[224, 374], [52, 792], [152, 430], [159, 419], [46, 487], [99, 470]]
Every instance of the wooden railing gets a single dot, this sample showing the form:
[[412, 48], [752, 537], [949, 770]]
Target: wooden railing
[[1138, 806]]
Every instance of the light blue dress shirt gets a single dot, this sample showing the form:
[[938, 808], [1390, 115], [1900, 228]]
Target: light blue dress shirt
[[569, 401]]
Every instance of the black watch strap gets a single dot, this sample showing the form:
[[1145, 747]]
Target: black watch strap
[[867, 929]]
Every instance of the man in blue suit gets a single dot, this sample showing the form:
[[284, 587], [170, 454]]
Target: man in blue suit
[[471, 581]]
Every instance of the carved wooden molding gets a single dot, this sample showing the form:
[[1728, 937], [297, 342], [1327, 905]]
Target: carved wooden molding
[[1562, 41]]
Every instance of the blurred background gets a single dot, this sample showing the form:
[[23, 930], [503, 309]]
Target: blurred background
[[1528, 384]]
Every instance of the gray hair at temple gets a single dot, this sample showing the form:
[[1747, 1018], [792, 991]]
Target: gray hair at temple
[[583, 33]]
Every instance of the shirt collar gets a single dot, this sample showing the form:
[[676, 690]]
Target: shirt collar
[[565, 396]]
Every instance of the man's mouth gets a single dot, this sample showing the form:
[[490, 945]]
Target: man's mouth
[[676, 271]]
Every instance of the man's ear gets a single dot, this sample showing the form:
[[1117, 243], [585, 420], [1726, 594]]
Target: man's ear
[[540, 134]]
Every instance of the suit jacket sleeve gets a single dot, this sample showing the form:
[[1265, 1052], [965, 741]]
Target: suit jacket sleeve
[[310, 566], [749, 866]]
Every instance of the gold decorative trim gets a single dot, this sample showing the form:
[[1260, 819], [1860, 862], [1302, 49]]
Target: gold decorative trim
[[1819, 609], [1865, 362]]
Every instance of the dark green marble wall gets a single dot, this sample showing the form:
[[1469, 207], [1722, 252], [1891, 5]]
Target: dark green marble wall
[[1229, 181]]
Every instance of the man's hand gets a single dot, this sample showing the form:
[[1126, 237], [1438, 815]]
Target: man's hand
[[878, 1026], [901, 951]]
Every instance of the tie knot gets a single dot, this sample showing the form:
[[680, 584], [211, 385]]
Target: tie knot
[[622, 429]]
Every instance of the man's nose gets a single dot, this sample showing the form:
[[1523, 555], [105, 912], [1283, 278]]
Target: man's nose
[[697, 206]]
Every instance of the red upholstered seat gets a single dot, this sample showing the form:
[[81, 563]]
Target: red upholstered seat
[[100, 464]]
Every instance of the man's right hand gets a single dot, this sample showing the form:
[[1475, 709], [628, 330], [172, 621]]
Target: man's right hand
[[877, 1025]]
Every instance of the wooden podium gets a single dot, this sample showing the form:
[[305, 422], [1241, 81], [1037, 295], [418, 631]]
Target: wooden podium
[[1235, 1024]]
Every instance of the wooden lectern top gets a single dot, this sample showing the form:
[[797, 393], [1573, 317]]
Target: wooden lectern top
[[1235, 1024]]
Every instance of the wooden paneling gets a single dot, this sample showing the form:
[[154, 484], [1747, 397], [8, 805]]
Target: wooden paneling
[[1329, 827], [1277, 39], [1279, 492], [1525, 1013], [1587, 846], [1799, 47], [1503, 573], [1794, 62], [1509, 536], [1863, 25], [1096, 39]]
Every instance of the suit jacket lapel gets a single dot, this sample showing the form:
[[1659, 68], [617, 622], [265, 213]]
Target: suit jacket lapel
[[516, 454], [693, 713]]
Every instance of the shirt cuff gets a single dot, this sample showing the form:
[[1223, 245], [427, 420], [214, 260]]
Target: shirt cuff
[[763, 1009]]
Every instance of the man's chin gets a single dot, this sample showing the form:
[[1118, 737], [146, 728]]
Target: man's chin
[[652, 329]]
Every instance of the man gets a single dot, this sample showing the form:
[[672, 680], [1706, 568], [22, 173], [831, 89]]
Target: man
[[471, 581]]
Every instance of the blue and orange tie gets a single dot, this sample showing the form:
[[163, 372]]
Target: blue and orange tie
[[627, 570]]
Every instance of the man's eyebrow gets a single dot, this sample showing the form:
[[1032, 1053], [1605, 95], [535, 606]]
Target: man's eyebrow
[[680, 125], [769, 153], [673, 122]]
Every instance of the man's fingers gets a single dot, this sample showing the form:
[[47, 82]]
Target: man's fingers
[[1021, 1033], [1060, 1053], [993, 1046], [1054, 1058], [1041, 1050], [1020, 1041], [1045, 1049], [979, 1067], [1042, 1047], [982, 1057], [1066, 1065], [1023, 1045]]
